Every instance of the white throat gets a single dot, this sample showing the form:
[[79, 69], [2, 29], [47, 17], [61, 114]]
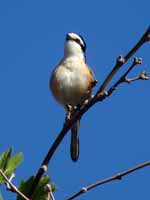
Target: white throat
[[73, 49]]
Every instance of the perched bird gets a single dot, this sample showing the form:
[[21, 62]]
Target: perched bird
[[71, 82]]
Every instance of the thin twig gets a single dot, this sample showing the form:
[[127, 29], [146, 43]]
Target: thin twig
[[77, 115], [123, 78], [112, 178], [12, 186], [142, 76], [50, 193], [10, 180]]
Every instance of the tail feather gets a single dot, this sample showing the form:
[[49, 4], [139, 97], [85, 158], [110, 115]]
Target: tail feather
[[74, 147]]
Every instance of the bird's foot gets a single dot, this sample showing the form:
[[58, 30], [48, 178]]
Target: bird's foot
[[69, 112]]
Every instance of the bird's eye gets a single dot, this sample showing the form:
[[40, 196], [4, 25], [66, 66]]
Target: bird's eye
[[78, 41], [81, 44]]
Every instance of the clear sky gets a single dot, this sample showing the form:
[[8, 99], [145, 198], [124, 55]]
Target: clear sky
[[114, 135]]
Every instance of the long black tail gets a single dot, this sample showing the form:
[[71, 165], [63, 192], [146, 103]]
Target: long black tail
[[74, 147]]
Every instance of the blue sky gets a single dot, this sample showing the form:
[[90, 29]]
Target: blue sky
[[114, 135]]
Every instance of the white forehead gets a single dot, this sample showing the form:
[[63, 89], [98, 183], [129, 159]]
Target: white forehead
[[76, 36]]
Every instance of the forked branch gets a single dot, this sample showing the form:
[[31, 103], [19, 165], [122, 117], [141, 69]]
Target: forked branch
[[12, 187], [99, 96]]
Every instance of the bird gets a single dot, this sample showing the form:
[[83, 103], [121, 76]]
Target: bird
[[71, 82]]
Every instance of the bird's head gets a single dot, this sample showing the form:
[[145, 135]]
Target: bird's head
[[74, 45]]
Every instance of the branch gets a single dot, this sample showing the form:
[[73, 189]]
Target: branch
[[112, 178], [12, 187], [122, 60], [124, 79], [99, 96]]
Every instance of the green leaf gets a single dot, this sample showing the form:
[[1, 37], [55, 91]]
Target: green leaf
[[1, 197], [4, 158], [13, 163], [9, 163], [40, 192], [25, 186]]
